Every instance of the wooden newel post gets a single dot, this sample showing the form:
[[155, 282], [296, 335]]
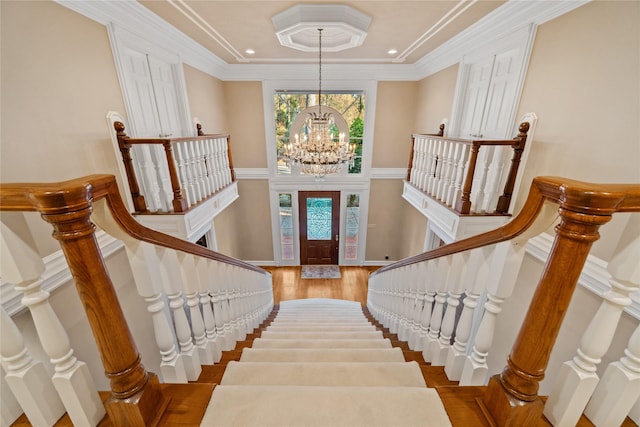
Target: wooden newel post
[[136, 399], [411, 154], [179, 202], [512, 396], [463, 205], [518, 148], [233, 173], [125, 148]]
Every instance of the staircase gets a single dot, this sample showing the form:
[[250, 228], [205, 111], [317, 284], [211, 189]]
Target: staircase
[[321, 362]]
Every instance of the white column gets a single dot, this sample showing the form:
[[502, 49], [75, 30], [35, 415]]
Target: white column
[[577, 378], [22, 266]]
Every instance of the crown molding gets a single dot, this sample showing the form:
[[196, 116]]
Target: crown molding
[[132, 16], [512, 16]]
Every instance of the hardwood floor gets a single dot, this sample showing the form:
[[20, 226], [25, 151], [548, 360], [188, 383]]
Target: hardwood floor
[[288, 285]]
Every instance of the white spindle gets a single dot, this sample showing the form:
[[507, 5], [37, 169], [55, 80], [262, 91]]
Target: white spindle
[[172, 285], [28, 379], [475, 279], [462, 159], [206, 274], [148, 180], [492, 191], [440, 348], [479, 184], [431, 165], [10, 409], [447, 169], [190, 282], [439, 276], [619, 388], [208, 161], [183, 173], [22, 266], [577, 379]]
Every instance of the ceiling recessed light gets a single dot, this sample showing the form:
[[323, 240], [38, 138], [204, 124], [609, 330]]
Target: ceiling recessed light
[[249, 51], [392, 51]]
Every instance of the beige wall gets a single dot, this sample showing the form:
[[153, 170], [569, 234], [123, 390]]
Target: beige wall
[[58, 83], [243, 230], [384, 224], [435, 100], [583, 83], [206, 100], [245, 116], [395, 111]]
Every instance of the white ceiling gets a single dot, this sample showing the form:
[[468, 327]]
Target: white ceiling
[[413, 28]]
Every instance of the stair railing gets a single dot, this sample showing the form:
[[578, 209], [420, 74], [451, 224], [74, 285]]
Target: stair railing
[[511, 398], [159, 264], [465, 175], [174, 174]]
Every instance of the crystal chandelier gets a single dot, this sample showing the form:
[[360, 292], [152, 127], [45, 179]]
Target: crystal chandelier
[[318, 151]]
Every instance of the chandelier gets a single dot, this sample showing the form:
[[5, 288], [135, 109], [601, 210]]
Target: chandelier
[[318, 150]]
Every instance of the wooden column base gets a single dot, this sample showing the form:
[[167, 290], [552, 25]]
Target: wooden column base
[[145, 408], [506, 410]]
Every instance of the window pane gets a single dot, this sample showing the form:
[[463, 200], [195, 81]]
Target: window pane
[[286, 226], [318, 218], [352, 227], [287, 105]]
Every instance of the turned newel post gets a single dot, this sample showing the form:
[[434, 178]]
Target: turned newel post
[[512, 396], [125, 148], [518, 148], [179, 202], [135, 398], [463, 205], [411, 154]]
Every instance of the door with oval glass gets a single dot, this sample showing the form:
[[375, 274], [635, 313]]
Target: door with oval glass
[[319, 227]]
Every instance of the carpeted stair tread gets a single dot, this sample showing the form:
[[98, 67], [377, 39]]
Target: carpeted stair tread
[[320, 343], [319, 328], [323, 335], [317, 406], [322, 355], [324, 374]]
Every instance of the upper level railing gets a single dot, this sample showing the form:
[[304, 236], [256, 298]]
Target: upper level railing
[[466, 175], [431, 299], [174, 174], [200, 303]]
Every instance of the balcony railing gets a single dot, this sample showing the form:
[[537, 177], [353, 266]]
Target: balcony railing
[[466, 175], [172, 175]]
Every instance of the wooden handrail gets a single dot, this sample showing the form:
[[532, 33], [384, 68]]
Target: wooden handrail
[[136, 399], [511, 398], [179, 201]]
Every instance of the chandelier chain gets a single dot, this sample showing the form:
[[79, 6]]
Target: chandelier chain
[[319, 70]]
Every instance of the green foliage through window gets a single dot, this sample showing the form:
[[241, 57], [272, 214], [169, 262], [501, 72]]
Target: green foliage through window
[[287, 105]]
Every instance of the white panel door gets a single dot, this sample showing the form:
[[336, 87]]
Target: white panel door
[[475, 97], [164, 85], [143, 111], [501, 96]]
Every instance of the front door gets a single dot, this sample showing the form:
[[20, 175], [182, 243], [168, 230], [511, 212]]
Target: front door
[[319, 225]]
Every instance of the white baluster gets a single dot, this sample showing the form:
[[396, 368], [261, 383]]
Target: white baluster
[[10, 410], [143, 259], [190, 282], [437, 167], [181, 163], [415, 162], [420, 274], [198, 150], [208, 162], [162, 177], [506, 260], [431, 164], [447, 170], [206, 275], [492, 191], [460, 160], [619, 388], [475, 279], [148, 182], [577, 378], [481, 181], [172, 285], [28, 379], [420, 292], [440, 349], [22, 266], [442, 266]]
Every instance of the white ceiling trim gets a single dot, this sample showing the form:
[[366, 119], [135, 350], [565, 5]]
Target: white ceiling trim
[[202, 23], [435, 29], [510, 17]]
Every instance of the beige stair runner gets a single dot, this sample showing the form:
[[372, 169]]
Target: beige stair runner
[[321, 363]]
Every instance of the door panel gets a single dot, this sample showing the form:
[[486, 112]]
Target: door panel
[[319, 225]]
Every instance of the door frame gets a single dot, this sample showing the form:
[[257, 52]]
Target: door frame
[[335, 223]]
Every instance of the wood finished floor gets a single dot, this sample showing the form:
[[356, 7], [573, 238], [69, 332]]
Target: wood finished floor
[[352, 285]]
